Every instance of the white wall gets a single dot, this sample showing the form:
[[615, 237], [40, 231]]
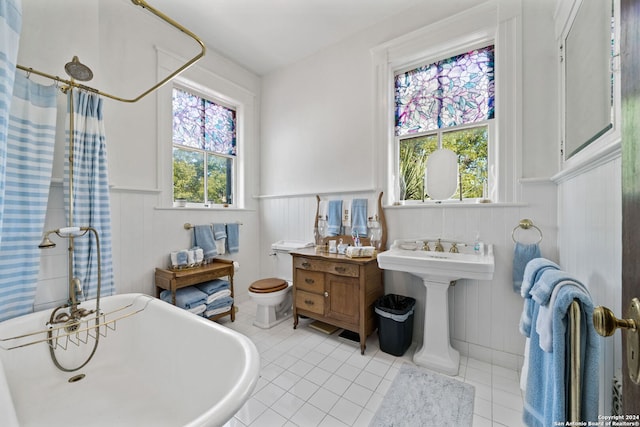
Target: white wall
[[119, 41]]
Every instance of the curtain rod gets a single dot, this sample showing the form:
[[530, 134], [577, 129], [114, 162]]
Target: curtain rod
[[165, 18]]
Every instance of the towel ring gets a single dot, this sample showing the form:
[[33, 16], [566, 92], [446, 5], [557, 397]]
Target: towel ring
[[525, 224]]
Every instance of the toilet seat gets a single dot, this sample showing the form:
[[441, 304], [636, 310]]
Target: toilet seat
[[269, 285]]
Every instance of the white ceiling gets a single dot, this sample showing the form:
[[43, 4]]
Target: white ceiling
[[264, 35]]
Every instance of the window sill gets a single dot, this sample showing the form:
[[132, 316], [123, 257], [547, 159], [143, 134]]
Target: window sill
[[212, 208], [456, 205]]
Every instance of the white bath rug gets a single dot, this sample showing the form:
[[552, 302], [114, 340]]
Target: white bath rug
[[418, 397]]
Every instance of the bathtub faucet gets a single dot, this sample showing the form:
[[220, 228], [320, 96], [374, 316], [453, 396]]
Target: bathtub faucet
[[75, 285]]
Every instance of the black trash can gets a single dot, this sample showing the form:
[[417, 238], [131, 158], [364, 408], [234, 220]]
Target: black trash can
[[395, 323]]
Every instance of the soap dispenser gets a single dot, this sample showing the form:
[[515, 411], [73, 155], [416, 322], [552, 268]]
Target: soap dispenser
[[478, 246]]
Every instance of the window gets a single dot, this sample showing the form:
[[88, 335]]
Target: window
[[445, 104], [204, 149]]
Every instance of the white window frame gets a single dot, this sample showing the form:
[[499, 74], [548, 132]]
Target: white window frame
[[219, 89], [489, 124], [209, 95], [496, 22]]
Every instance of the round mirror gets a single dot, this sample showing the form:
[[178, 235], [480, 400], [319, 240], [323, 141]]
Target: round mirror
[[442, 174]]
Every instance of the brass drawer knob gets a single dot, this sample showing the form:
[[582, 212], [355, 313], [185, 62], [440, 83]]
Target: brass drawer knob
[[308, 302], [309, 281]]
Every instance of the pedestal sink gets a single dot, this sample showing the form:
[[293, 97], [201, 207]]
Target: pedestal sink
[[437, 270]]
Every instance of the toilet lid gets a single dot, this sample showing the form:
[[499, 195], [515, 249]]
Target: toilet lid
[[268, 285]]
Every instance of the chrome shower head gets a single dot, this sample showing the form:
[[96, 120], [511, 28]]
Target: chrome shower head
[[77, 70]]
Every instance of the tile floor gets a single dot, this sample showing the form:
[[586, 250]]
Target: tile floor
[[308, 378]]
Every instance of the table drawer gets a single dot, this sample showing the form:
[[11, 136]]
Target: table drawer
[[309, 301], [312, 281], [333, 267]]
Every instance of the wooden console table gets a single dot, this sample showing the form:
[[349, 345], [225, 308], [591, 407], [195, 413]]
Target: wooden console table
[[175, 279], [338, 290]]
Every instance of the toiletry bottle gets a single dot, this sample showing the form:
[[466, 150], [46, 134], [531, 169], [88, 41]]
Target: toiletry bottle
[[478, 246]]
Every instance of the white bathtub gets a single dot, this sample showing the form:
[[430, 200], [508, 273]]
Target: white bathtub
[[161, 367]]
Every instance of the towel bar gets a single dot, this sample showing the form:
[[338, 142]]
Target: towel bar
[[189, 226], [575, 386], [525, 224]]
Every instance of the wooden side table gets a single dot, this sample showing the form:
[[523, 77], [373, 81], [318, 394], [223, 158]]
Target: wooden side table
[[173, 280]]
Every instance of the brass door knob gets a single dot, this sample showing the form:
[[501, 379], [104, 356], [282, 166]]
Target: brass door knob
[[606, 323]]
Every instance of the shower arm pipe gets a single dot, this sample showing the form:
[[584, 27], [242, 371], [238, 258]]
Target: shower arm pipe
[[142, 3]]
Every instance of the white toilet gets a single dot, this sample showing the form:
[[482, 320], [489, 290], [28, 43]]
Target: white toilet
[[273, 295]]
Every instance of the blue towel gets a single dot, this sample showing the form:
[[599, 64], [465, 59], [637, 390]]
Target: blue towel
[[522, 254], [186, 298], [219, 231], [233, 238], [542, 289], [334, 218], [203, 238], [545, 400], [213, 286], [220, 302], [532, 273], [359, 217]]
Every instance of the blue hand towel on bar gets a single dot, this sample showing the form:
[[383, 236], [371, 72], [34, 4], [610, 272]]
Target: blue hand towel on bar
[[203, 238], [219, 231], [186, 298], [532, 273], [522, 254], [542, 289], [545, 399], [334, 217], [233, 238], [359, 216]]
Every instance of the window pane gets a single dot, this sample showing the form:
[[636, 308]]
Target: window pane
[[451, 92], [187, 119], [188, 175], [220, 129], [219, 175], [413, 161], [471, 147]]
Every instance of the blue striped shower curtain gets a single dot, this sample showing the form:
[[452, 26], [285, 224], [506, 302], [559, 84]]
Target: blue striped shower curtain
[[10, 26], [91, 206], [29, 162]]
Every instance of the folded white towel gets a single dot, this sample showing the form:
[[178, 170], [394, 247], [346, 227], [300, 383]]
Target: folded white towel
[[198, 309], [199, 254], [221, 245], [217, 295], [209, 313]]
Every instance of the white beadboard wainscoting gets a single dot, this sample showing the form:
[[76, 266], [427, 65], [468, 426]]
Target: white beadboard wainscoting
[[143, 236], [590, 247], [484, 315]]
